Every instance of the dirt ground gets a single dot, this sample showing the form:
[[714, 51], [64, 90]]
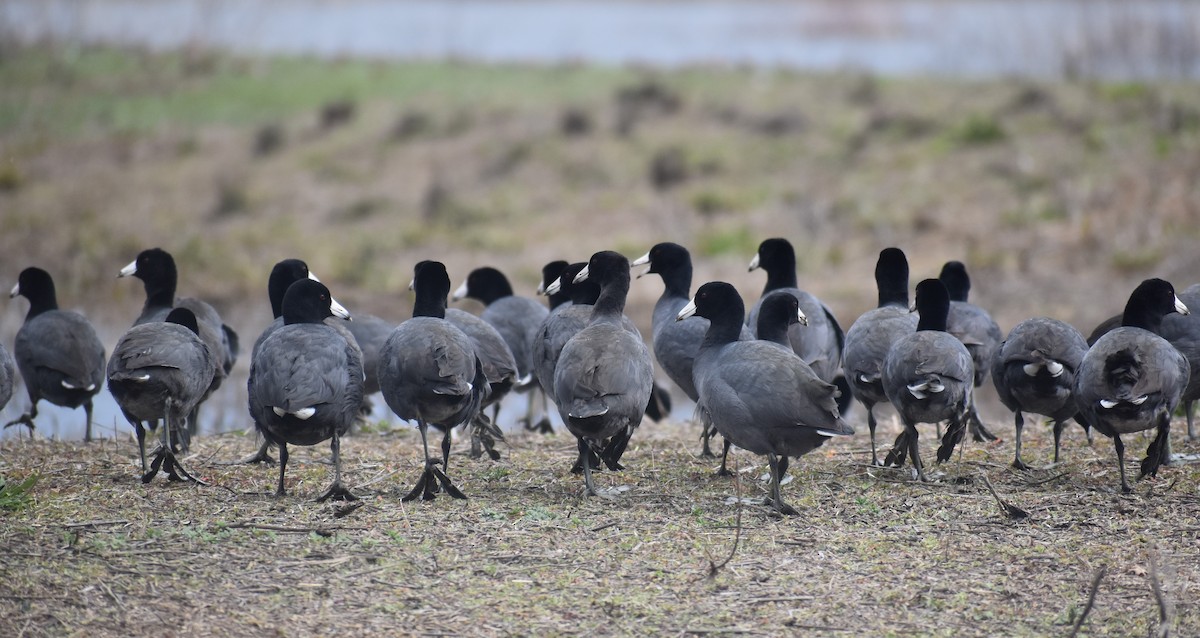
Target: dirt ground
[[92, 551]]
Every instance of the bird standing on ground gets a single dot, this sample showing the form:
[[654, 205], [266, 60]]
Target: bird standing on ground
[[429, 373], [928, 376], [156, 268], [974, 327], [499, 368], [758, 395], [516, 318], [60, 357], [1183, 331], [820, 343], [159, 371], [1131, 379], [603, 378], [1034, 371], [306, 381], [872, 335], [676, 343]]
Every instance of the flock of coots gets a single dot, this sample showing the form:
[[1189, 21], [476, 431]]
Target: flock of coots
[[775, 383]]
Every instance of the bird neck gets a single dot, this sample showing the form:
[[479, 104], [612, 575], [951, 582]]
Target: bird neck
[[611, 302], [773, 329], [725, 326], [781, 275], [677, 281], [933, 318], [1138, 316]]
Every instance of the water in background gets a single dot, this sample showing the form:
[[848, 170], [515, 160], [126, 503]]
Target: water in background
[[1114, 39]]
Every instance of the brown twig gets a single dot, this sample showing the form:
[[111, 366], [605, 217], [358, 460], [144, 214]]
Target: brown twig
[[1010, 510], [715, 568], [1087, 608], [320, 531], [1047, 480], [1166, 609]]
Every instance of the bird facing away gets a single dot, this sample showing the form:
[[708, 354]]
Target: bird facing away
[[283, 275], [1034, 371], [57, 351], [872, 335], [156, 268], [565, 323], [159, 371], [499, 368], [676, 343], [603, 378], [1183, 331], [974, 327], [928, 377], [429, 373], [516, 318], [1131, 379], [757, 394], [306, 381]]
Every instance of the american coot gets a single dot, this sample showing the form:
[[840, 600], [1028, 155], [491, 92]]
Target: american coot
[[60, 357], [499, 368], [928, 376], [603, 377], [1183, 331], [759, 395], [1034, 371], [872, 335], [974, 327], [777, 313], [676, 343], [283, 275], [306, 381], [1132, 379], [819, 343], [516, 318], [550, 273], [160, 370], [8, 373], [559, 328], [156, 268], [429, 372]]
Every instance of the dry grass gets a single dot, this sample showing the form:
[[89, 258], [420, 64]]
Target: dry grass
[[96, 552]]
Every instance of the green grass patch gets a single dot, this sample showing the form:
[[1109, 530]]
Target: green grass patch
[[76, 89], [15, 496]]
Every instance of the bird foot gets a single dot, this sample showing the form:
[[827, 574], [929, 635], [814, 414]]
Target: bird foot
[[980, 434], [1018, 464], [724, 471], [337, 492], [781, 508], [260, 456], [25, 420], [165, 461], [541, 427], [432, 481]]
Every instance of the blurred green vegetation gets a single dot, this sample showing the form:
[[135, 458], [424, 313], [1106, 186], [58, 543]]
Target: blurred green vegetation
[[364, 167]]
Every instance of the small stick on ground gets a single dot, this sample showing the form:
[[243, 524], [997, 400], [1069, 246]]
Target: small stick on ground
[[1166, 608], [1090, 601], [715, 568], [1010, 510]]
